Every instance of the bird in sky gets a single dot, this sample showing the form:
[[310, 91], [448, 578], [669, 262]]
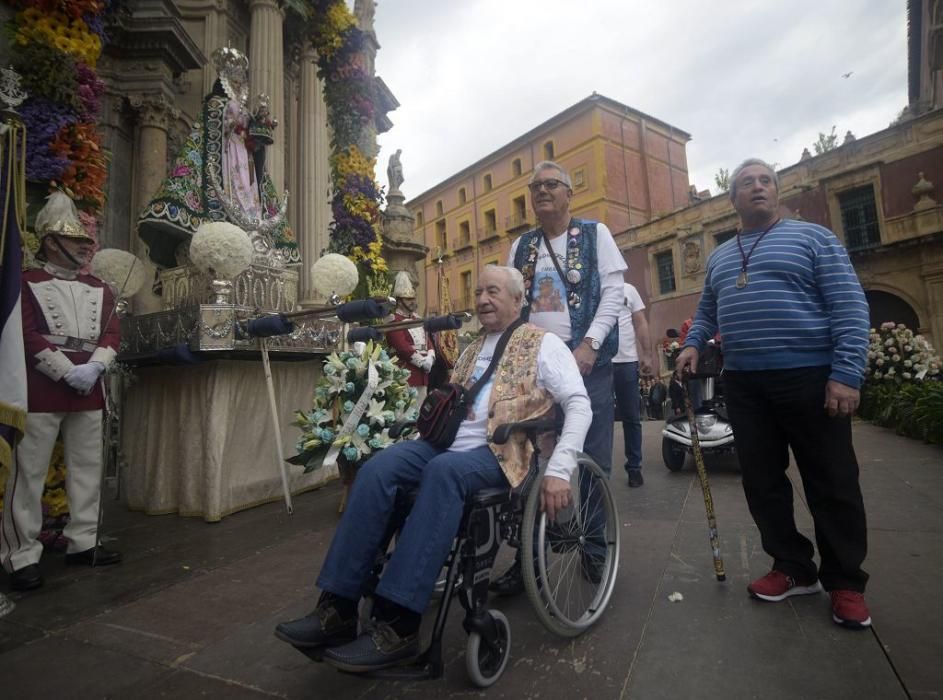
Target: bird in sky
[[848, 74]]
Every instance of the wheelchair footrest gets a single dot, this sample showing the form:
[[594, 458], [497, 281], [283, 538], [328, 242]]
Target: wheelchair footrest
[[489, 497]]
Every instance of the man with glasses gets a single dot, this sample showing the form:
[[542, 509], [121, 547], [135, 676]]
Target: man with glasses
[[580, 259], [794, 320]]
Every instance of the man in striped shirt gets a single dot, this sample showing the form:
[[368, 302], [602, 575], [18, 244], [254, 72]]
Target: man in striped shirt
[[794, 322]]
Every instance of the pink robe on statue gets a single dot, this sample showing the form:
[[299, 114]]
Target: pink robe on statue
[[238, 169]]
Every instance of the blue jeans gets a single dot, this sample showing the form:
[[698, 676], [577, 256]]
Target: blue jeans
[[598, 443], [625, 383], [443, 480]]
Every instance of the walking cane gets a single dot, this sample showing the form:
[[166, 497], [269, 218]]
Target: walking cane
[[705, 484]]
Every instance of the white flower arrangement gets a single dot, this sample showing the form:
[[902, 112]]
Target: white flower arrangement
[[335, 396], [334, 274], [896, 354], [122, 270], [221, 249]]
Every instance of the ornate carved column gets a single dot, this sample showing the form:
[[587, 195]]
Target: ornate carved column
[[267, 75], [154, 116], [314, 151]]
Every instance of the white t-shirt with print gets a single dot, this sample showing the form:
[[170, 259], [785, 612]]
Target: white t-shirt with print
[[558, 374], [632, 302], [549, 307]]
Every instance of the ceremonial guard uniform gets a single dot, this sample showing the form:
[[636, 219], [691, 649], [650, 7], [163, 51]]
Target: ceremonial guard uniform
[[71, 335], [410, 345]]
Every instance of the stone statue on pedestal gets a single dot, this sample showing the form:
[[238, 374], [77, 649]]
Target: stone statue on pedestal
[[394, 171]]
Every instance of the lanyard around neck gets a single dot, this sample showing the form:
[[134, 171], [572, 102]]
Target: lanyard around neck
[[743, 278]]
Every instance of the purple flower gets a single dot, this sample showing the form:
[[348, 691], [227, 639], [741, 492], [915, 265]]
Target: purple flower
[[43, 120], [90, 90]]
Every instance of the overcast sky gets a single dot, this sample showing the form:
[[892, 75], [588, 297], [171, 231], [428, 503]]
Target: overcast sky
[[743, 77]]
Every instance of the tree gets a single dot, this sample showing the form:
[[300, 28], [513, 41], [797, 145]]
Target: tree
[[722, 179], [825, 142]]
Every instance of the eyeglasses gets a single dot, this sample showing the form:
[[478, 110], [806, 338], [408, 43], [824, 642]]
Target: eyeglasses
[[550, 185]]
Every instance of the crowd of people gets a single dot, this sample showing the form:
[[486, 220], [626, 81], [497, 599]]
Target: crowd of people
[[795, 338], [566, 280]]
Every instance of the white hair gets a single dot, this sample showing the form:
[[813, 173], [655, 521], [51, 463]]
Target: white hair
[[551, 165], [515, 279]]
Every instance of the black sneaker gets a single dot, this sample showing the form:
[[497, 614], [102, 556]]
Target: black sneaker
[[323, 627], [378, 647], [635, 478]]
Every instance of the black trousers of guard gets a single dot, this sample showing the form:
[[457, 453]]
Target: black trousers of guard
[[772, 411]]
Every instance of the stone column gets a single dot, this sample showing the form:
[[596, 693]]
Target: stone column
[[314, 150], [267, 75], [154, 116]]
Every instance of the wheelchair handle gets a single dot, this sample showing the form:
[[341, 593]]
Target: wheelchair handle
[[537, 425]]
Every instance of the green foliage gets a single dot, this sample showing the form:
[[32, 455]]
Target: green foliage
[[826, 142], [914, 410], [722, 179]]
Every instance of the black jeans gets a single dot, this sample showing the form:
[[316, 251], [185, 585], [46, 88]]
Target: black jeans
[[772, 411]]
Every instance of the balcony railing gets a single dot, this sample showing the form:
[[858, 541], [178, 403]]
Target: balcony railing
[[487, 233], [462, 243], [516, 222]]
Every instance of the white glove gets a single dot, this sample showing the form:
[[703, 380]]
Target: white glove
[[82, 378], [423, 360]]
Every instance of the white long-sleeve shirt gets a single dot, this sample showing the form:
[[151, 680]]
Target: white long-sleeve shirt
[[558, 374], [549, 295]]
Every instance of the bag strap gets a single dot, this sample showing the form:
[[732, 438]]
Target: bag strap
[[473, 390], [553, 258]]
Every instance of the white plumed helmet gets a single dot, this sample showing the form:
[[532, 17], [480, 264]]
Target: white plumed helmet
[[403, 286]]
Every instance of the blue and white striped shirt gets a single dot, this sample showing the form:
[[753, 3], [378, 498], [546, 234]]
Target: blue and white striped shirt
[[803, 305]]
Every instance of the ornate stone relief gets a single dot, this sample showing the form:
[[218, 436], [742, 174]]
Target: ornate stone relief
[[691, 256], [153, 110]]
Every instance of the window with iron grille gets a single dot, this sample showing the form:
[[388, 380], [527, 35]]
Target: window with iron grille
[[665, 265], [859, 218], [724, 236]]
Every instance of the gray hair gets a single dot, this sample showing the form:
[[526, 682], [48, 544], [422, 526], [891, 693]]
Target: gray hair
[[746, 164], [514, 278], [550, 165]]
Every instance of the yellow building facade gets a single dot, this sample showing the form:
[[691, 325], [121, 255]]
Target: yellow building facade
[[626, 167]]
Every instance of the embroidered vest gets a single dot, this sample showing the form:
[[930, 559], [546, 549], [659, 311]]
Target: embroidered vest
[[583, 296], [515, 396]]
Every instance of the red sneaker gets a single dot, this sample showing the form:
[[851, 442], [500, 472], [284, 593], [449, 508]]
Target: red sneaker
[[849, 609], [776, 586]]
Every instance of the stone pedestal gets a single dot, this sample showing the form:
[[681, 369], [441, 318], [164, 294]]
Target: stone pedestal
[[403, 246]]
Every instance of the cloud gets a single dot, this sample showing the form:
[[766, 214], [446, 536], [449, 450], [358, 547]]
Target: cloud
[[474, 75]]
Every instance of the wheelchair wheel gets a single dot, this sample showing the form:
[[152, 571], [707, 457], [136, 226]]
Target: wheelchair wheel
[[576, 560], [486, 662]]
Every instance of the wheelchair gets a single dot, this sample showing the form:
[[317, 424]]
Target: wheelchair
[[575, 561]]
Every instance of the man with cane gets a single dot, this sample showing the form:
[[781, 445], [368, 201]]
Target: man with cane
[[795, 325], [71, 335]]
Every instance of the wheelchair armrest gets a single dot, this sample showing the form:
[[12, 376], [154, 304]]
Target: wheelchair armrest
[[399, 426], [538, 425]]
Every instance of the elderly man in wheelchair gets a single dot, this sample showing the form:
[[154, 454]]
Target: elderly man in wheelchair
[[535, 372]]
